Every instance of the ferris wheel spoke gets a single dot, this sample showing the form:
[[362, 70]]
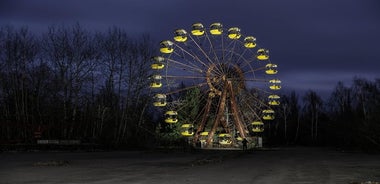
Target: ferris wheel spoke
[[201, 98], [247, 58], [247, 63], [263, 104], [186, 88], [255, 115], [186, 77], [185, 60], [259, 104], [217, 52], [196, 58], [193, 67], [256, 80], [241, 56], [232, 49], [264, 91], [212, 49], [254, 70], [203, 52], [242, 62], [207, 57], [204, 108]]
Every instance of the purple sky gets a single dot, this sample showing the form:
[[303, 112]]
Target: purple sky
[[316, 43]]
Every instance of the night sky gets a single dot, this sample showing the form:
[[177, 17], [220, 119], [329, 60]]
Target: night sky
[[316, 43]]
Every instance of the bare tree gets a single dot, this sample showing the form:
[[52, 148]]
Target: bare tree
[[136, 83], [125, 64], [72, 57], [313, 108], [366, 104], [364, 93], [341, 99], [115, 48], [19, 49], [56, 82], [290, 114]]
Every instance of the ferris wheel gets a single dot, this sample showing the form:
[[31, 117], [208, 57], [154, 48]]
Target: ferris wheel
[[235, 76]]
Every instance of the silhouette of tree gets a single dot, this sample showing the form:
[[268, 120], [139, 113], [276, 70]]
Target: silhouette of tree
[[313, 106]]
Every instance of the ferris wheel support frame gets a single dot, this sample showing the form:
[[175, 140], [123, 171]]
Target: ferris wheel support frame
[[222, 104], [204, 118], [221, 111], [235, 112]]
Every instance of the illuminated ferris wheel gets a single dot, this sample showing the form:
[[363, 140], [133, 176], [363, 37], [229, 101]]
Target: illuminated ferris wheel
[[236, 79]]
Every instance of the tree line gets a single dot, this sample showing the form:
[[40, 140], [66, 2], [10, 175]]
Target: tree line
[[70, 83], [349, 118]]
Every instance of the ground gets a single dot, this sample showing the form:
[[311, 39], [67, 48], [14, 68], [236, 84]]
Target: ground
[[281, 165]]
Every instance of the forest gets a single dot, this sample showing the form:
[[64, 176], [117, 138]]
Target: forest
[[70, 83]]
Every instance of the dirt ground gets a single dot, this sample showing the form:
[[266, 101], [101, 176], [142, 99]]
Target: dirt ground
[[282, 165]]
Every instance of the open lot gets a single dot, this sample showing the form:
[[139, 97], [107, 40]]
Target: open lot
[[283, 165]]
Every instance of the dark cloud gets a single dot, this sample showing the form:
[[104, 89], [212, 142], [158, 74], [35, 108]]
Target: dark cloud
[[320, 42]]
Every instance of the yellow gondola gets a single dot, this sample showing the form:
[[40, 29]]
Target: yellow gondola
[[158, 63], [171, 117], [216, 29], [203, 138], [250, 42], [275, 81], [180, 35], [187, 130], [274, 97], [197, 29], [204, 134], [155, 81], [234, 33], [275, 87], [159, 100], [271, 65], [275, 84], [268, 111], [225, 139], [257, 126], [268, 114], [166, 47], [273, 100], [271, 69], [155, 84], [262, 54]]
